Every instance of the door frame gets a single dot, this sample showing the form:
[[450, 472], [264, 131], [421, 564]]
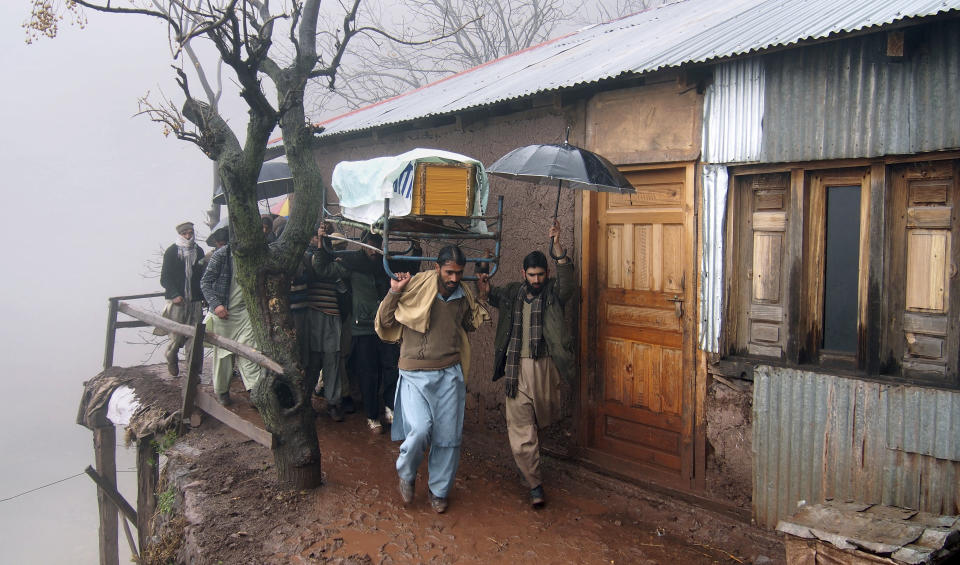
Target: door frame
[[693, 388]]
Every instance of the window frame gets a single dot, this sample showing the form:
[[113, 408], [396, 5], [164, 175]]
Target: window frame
[[883, 214], [810, 328]]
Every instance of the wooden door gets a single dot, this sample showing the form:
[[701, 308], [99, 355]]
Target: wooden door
[[639, 346]]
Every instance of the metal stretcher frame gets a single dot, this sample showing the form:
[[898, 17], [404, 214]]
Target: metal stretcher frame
[[382, 228]]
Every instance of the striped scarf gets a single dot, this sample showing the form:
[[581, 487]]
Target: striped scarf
[[512, 365]]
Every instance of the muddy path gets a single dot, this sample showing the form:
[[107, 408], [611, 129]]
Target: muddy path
[[236, 514]]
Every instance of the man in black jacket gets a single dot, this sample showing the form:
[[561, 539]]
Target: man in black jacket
[[533, 350], [180, 278]]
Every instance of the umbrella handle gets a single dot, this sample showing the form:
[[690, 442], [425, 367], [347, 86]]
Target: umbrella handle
[[556, 207]]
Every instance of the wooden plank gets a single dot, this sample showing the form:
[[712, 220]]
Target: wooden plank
[[767, 254], [669, 422], [207, 403], [764, 350], [863, 270], [614, 365], [642, 317], [768, 200], [645, 335], [640, 454], [642, 434], [111, 334], [111, 492], [931, 324], [643, 254], [929, 192], [672, 261], [646, 358], [793, 265], [671, 380], [615, 258], [767, 313], [591, 265], [105, 458], [147, 478], [131, 324], [921, 367], [810, 330], [220, 341], [193, 376], [769, 221], [137, 296], [765, 332], [920, 345], [875, 300], [895, 318], [927, 253], [135, 555], [929, 217]]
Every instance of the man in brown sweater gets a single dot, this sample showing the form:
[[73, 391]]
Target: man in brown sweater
[[430, 314]]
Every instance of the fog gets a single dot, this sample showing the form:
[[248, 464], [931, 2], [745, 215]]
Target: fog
[[91, 194]]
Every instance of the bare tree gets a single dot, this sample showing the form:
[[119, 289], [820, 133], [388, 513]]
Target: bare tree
[[612, 9], [469, 32], [242, 32]]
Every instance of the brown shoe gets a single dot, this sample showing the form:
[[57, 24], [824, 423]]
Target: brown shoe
[[406, 491], [224, 398], [439, 504]]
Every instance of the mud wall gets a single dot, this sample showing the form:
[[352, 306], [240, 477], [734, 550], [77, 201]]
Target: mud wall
[[729, 465]]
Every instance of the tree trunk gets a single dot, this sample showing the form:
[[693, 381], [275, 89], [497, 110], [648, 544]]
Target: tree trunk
[[283, 400]]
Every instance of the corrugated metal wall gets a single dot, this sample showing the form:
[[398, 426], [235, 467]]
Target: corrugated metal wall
[[820, 436], [845, 99], [733, 112], [713, 210]]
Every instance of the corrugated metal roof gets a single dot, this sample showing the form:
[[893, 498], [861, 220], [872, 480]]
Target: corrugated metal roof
[[685, 32]]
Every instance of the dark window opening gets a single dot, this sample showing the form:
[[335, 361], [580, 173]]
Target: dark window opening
[[841, 269]]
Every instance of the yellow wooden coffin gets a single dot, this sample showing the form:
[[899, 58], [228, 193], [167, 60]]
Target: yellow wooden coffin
[[443, 189]]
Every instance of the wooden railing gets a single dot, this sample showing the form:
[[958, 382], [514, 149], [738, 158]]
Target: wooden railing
[[191, 396]]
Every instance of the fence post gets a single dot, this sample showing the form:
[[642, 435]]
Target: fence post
[[111, 334], [105, 455], [148, 462], [193, 376]]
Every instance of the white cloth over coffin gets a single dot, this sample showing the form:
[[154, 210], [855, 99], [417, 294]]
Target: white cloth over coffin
[[362, 186]]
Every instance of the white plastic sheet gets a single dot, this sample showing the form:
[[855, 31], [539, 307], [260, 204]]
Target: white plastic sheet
[[122, 406], [362, 186]]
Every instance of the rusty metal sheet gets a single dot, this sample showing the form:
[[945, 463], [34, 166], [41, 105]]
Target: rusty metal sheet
[[818, 436]]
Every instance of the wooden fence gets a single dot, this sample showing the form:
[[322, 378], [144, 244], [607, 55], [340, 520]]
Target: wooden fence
[[110, 501]]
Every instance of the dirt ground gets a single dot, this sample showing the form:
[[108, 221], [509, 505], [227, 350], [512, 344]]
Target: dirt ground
[[235, 513]]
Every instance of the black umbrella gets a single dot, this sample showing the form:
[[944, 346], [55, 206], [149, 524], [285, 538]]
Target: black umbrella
[[566, 164], [274, 180]]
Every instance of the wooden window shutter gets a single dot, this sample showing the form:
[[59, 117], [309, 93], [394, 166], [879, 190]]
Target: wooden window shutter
[[923, 270], [761, 277]]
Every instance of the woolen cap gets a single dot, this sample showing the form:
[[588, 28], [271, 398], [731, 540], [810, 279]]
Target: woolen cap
[[184, 227]]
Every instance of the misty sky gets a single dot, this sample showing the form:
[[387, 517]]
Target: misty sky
[[90, 193]]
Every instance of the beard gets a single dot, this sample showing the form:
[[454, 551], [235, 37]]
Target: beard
[[535, 290]]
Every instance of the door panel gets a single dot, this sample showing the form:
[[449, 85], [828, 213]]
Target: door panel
[[640, 294]]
